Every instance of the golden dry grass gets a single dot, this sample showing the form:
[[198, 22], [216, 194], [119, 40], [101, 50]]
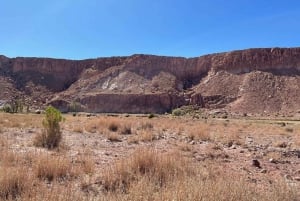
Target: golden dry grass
[[199, 132], [20, 120], [87, 164], [149, 175], [143, 173], [51, 168], [113, 137], [13, 182], [144, 163]]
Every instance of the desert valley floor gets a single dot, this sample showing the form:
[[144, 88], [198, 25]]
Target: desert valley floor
[[134, 157]]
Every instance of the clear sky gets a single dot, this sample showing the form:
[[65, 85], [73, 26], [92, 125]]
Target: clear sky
[[78, 29]]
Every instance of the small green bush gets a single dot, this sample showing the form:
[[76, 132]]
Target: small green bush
[[51, 135], [7, 108], [178, 112], [151, 115], [16, 106], [13, 106]]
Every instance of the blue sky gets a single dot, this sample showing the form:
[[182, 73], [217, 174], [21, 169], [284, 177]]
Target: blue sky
[[79, 29]]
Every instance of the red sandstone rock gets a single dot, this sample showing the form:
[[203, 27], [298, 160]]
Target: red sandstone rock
[[254, 80]]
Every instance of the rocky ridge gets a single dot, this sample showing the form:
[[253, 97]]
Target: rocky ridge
[[258, 81]]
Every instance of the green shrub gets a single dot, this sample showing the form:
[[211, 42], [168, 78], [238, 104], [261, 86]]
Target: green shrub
[[178, 112], [7, 108], [13, 106], [16, 106], [51, 135], [151, 115]]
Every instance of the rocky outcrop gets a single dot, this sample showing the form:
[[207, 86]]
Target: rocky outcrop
[[56, 74], [132, 103], [148, 83], [276, 60]]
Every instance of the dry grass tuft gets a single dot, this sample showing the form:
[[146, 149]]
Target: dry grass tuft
[[133, 140], [91, 126], [126, 130], [229, 139], [281, 144], [199, 133], [53, 168], [146, 126], [13, 182], [78, 129], [289, 130], [113, 126], [87, 163], [159, 168], [185, 147], [114, 137], [146, 136]]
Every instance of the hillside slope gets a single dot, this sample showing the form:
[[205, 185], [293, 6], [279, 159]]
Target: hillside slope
[[258, 81]]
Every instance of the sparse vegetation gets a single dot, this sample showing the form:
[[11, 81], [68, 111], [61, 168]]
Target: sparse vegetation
[[156, 167], [51, 168], [114, 137], [161, 161], [151, 115], [199, 133], [126, 130], [146, 136], [7, 108], [51, 135], [13, 182], [178, 112], [290, 130], [13, 106], [113, 126]]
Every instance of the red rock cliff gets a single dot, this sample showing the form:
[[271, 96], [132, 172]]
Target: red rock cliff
[[148, 74]]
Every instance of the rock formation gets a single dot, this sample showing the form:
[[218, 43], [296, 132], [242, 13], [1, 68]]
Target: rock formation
[[253, 81]]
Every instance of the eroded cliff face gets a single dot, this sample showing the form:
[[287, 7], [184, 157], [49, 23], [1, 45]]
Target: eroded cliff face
[[237, 81], [56, 74], [276, 60]]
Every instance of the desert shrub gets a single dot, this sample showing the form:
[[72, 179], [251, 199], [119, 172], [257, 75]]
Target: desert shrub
[[290, 130], [51, 135], [150, 116], [178, 112], [16, 105], [13, 106], [126, 130], [113, 127], [7, 108]]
